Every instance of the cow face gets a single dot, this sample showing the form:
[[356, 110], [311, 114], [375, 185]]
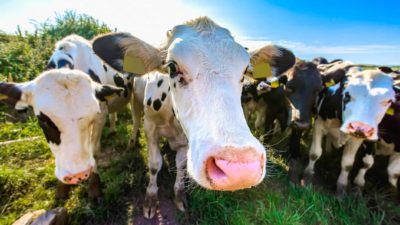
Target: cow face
[[303, 85], [206, 67], [65, 104], [71, 52], [365, 100]]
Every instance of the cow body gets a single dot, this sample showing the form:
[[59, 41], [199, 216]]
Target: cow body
[[388, 144], [205, 69], [76, 52], [66, 103], [349, 112]]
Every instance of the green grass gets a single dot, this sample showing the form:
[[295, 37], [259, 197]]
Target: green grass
[[27, 183]]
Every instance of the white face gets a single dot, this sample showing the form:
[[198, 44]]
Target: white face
[[64, 102], [365, 100], [206, 86]]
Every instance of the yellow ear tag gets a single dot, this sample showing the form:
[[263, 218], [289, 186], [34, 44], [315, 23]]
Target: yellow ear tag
[[275, 83], [3, 97], [133, 64], [109, 97], [262, 70], [390, 111], [331, 82]]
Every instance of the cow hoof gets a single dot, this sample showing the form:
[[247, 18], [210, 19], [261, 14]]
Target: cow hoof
[[181, 201], [62, 191], [340, 190], [150, 206]]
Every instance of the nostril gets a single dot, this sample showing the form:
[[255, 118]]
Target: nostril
[[214, 171]]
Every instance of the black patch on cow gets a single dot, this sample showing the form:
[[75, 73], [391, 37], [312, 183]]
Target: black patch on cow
[[163, 96], [149, 101], [159, 82], [174, 85], [130, 85], [107, 90], [153, 171], [50, 130], [169, 88], [119, 81], [173, 112], [105, 67], [94, 76], [157, 104], [62, 63], [12, 92], [51, 65]]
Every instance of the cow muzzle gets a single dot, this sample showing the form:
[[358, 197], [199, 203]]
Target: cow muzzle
[[360, 130], [235, 169], [78, 177]]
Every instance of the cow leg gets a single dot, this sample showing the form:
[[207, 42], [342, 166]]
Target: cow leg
[[179, 186], [94, 188], [349, 153], [295, 162], [113, 121], [136, 109], [368, 161], [98, 126], [155, 163], [394, 171], [315, 150], [62, 191]]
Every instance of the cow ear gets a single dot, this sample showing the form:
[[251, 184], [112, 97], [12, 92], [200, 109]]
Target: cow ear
[[385, 69], [278, 58], [16, 95], [106, 92], [127, 53]]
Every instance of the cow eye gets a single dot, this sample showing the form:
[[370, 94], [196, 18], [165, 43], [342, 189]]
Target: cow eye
[[173, 69], [347, 97]]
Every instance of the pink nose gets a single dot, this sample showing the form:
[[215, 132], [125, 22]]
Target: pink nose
[[235, 169], [360, 129], [78, 177]]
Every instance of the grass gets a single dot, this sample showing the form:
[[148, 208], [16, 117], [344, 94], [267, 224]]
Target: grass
[[27, 183]]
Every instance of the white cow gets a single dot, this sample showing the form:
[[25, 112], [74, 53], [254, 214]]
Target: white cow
[[66, 103], [202, 88], [76, 52], [350, 112]]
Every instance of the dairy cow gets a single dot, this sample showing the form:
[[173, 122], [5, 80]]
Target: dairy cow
[[202, 89], [75, 52], [66, 103], [350, 112]]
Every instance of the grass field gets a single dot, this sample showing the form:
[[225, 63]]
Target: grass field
[[27, 183]]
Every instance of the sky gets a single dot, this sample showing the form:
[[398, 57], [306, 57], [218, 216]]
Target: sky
[[366, 32]]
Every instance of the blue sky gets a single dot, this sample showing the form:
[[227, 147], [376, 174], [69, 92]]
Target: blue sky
[[360, 31]]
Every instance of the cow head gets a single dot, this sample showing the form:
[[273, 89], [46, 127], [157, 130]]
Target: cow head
[[302, 88], [366, 98], [65, 103], [69, 53], [206, 67]]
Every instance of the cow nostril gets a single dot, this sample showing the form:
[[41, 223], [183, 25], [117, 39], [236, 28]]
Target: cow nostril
[[214, 169]]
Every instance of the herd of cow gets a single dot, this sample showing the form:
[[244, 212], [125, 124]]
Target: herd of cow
[[197, 91]]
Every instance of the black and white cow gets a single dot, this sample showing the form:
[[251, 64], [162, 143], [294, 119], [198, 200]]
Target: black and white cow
[[76, 52], [66, 103], [388, 143], [202, 88], [350, 112]]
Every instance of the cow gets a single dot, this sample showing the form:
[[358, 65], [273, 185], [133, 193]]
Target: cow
[[388, 143], [75, 52], [66, 103], [350, 112], [202, 89]]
